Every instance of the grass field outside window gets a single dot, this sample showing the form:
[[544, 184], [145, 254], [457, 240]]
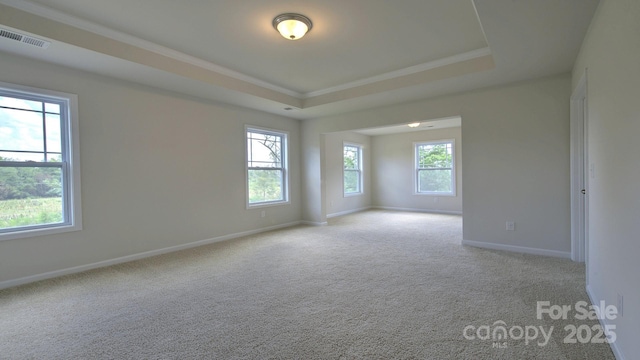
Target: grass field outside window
[[23, 212]]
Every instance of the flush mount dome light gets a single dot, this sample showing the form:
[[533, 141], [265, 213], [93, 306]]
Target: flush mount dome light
[[292, 26], [413, 125]]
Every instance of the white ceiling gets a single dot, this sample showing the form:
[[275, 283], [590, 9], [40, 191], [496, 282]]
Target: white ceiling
[[359, 54]]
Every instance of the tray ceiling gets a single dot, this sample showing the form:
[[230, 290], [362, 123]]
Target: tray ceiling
[[358, 54]]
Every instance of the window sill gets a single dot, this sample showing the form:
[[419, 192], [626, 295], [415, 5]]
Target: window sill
[[267, 204], [435, 194], [21, 234]]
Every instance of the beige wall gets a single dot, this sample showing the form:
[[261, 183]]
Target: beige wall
[[611, 55], [337, 202], [394, 172], [515, 160], [158, 170]]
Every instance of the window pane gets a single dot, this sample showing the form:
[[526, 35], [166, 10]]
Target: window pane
[[52, 108], [20, 103], [53, 133], [54, 157], [351, 158], [265, 185], [435, 156], [18, 156], [434, 181], [35, 167], [30, 196], [351, 181], [264, 150], [21, 130]]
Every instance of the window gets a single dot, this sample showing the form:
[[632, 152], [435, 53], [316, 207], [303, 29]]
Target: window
[[39, 162], [352, 158], [435, 168], [266, 167]]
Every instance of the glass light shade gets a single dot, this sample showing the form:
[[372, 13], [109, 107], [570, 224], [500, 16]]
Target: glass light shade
[[292, 29], [292, 26]]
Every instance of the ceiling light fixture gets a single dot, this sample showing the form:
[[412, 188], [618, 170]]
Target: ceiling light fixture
[[413, 125], [292, 26]]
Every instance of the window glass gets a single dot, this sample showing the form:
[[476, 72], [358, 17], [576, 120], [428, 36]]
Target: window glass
[[36, 171], [352, 159], [266, 170], [435, 168]]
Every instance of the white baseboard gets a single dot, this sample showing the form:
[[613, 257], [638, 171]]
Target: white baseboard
[[518, 249], [433, 211], [314, 223], [76, 269], [347, 212], [603, 322]]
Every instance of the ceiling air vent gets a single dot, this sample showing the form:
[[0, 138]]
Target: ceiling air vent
[[24, 38]]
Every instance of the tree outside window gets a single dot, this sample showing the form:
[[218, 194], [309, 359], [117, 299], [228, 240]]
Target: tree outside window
[[266, 167], [352, 158], [435, 169], [39, 174]]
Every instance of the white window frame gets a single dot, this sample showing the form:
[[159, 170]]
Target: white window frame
[[359, 171], [417, 169], [70, 165], [284, 161]]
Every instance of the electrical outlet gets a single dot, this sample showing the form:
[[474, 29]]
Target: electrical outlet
[[511, 226], [263, 213], [620, 304]]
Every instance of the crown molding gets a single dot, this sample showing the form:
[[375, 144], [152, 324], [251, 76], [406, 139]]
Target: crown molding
[[81, 24], [58, 16], [403, 72]]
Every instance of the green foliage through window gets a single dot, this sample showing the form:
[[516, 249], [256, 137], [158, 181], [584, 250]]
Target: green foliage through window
[[352, 158], [31, 161], [434, 166], [30, 211], [266, 166], [29, 182]]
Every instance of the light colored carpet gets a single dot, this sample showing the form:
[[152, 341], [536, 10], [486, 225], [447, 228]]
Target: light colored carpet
[[373, 285]]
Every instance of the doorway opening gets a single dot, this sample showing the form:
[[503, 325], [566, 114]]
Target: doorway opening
[[579, 174]]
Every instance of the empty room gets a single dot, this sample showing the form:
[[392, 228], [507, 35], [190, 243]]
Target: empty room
[[411, 179]]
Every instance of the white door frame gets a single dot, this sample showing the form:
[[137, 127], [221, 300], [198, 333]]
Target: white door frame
[[579, 178]]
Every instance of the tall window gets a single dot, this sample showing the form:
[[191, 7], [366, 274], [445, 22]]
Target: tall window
[[352, 158], [435, 168], [39, 162], [266, 167]]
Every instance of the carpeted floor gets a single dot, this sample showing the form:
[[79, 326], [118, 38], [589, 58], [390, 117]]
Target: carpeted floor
[[373, 285]]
